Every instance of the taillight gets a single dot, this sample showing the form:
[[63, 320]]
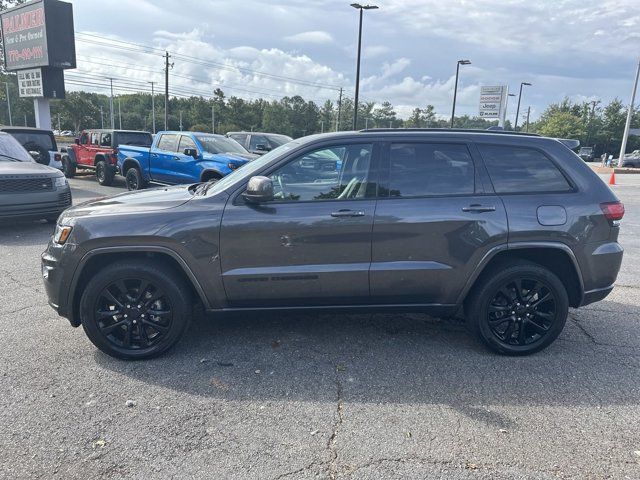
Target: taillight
[[57, 157], [613, 210]]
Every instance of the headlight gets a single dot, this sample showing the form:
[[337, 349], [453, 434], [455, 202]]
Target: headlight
[[60, 182], [61, 234]]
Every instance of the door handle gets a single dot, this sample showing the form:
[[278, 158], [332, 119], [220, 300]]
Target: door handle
[[477, 208], [176, 158], [347, 213], [154, 155]]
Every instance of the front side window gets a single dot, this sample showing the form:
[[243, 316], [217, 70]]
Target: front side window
[[186, 142], [339, 172], [521, 170], [168, 142], [428, 169], [258, 140]]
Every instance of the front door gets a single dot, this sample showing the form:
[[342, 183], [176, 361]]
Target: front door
[[163, 158], [435, 220], [311, 245]]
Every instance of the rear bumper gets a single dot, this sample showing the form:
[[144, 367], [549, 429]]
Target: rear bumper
[[593, 296], [35, 205]]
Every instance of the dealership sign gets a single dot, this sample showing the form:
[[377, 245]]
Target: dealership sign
[[493, 102], [30, 83], [38, 34]]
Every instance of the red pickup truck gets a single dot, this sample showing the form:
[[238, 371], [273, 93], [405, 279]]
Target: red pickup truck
[[98, 150]]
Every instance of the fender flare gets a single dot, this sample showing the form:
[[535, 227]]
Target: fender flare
[[71, 155], [516, 246], [71, 295], [210, 170]]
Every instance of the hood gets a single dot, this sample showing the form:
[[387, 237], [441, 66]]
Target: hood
[[232, 157], [153, 199], [27, 168]]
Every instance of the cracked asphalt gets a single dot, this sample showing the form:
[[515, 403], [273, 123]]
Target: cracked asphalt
[[317, 396]]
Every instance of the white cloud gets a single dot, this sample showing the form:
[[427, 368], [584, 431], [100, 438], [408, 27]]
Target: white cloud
[[317, 37]]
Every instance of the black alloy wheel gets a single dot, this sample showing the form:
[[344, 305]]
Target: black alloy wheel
[[517, 307], [136, 309], [522, 312], [133, 314]]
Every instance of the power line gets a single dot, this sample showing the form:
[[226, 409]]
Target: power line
[[131, 46]]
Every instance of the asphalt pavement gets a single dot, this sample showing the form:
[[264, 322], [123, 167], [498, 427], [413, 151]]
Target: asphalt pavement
[[317, 396]]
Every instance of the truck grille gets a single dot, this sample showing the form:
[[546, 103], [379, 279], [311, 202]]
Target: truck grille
[[25, 184]]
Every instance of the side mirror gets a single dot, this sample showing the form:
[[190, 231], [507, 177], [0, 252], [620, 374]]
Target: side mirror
[[191, 152], [259, 189], [77, 141], [262, 147]]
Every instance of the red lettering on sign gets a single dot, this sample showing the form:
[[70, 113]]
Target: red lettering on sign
[[23, 21]]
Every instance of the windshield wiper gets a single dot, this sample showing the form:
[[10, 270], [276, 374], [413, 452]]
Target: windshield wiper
[[202, 188]]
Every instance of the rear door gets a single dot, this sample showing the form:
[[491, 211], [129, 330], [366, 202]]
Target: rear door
[[311, 245], [163, 158], [435, 220]]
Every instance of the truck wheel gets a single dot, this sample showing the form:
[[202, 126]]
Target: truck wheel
[[104, 173], [135, 309], [134, 180], [68, 168], [518, 309]]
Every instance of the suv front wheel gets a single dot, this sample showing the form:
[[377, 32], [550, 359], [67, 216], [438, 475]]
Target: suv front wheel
[[135, 309], [518, 309]]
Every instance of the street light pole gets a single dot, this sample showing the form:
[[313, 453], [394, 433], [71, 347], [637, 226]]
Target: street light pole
[[627, 125], [515, 126], [455, 88], [6, 84], [113, 123], [355, 102]]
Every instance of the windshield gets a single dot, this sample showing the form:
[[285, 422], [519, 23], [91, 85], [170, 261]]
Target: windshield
[[36, 140], [279, 140], [218, 144], [140, 139], [250, 168], [11, 150]]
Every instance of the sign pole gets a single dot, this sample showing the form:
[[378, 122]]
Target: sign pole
[[503, 112], [6, 84], [41, 107]]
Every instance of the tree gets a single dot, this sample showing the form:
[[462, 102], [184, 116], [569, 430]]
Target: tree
[[561, 124]]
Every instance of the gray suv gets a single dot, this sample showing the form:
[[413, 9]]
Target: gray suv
[[506, 230]]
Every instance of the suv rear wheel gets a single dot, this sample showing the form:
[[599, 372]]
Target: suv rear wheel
[[135, 309], [104, 173], [518, 309]]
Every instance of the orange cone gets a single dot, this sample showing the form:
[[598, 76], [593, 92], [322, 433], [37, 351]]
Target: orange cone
[[612, 179]]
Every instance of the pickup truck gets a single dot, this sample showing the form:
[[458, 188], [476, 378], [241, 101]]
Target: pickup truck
[[97, 149], [180, 158]]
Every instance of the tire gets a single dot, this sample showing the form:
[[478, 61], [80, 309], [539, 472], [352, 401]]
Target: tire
[[68, 168], [497, 315], [133, 179], [104, 173], [153, 306]]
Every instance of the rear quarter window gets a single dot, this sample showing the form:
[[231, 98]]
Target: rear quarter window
[[522, 170]]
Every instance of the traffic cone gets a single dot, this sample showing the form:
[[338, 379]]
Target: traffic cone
[[612, 179]]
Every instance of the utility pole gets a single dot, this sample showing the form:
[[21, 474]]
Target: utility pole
[[119, 114], [321, 126], [6, 84], [627, 125], [167, 65], [594, 103], [528, 113], [113, 123], [339, 111], [180, 120], [153, 108], [213, 119], [59, 129], [101, 118]]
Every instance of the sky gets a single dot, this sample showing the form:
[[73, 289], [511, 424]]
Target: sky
[[581, 49]]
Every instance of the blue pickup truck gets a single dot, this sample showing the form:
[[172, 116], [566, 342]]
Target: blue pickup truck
[[180, 157]]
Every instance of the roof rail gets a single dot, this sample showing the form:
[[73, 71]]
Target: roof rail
[[454, 130]]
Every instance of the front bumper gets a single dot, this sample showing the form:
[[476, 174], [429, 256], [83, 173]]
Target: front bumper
[[35, 204], [56, 275]]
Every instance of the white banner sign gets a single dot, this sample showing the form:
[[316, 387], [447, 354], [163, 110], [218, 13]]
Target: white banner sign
[[30, 83], [493, 102]]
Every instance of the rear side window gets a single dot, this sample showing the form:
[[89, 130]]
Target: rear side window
[[167, 143], [34, 140], [522, 170], [427, 169], [140, 139], [105, 140]]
